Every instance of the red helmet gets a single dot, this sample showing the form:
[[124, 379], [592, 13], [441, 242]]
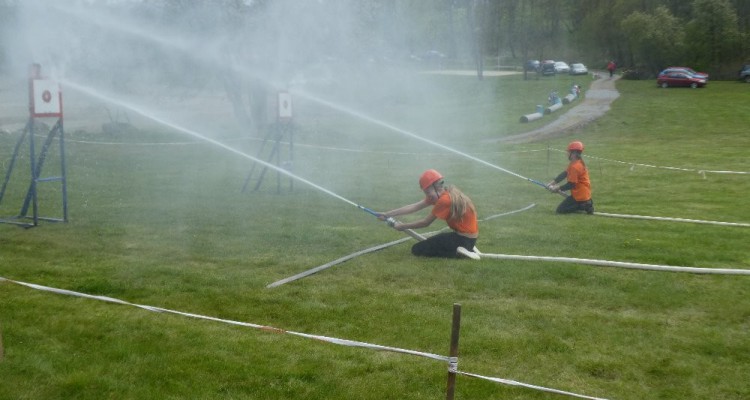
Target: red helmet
[[575, 146], [428, 178]]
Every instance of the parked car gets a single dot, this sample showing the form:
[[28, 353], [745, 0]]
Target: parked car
[[548, 67], [532, 65], [691, 71], [744, 73], [561, 67], [578, 69], [434, 58], [703, 75], [680, 79]]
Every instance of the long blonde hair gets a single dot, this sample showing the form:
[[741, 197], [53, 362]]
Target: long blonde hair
[[460, 202]]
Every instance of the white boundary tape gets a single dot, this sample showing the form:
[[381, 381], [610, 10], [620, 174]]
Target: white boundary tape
[[452, 361], [526, 385], [694, 221], [633, 165], [620, 264], [226, 321]]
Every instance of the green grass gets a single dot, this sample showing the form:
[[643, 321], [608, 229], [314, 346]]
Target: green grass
[[168, 226]]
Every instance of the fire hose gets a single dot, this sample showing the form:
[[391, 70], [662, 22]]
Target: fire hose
[[392, 222]]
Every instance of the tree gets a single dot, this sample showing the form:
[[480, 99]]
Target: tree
[[655, 40], [713, 34], [474, 10], [534, 26]]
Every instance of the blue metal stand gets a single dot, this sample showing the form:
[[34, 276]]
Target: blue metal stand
[[36, 164]]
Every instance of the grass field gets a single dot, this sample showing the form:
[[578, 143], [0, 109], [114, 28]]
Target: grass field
[[168, 226]]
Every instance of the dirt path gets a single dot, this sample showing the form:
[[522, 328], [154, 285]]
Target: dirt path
[[596, 103]]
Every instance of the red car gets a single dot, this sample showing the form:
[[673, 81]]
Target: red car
[[690, 70], [677, 79]]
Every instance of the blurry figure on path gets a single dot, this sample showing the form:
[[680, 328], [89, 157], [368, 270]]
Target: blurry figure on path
[[611, 67]]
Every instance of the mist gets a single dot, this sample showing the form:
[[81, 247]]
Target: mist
[[237, 53], [213, 69]]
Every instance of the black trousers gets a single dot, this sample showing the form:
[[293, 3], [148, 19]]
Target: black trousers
[[570, 205], [443, 245]]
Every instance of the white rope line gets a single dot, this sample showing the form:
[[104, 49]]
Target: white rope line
[[620, 264], [345, 342], [526, 385], [342, 342], [694, 221], [370, 250], [352, 343], [633, 165]]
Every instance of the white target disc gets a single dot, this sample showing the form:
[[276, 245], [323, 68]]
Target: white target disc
[[46, 98], [285, 105]]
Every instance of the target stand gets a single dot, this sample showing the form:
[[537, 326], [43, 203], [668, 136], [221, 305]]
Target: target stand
[[45, 102], [280, 129]]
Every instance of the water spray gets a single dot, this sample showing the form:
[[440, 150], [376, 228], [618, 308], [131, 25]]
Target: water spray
[[181, 46], [144, 113], [413, 135], [83, 89]]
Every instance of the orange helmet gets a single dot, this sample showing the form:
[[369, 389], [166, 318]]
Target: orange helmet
[[428, 178], [575, 146]]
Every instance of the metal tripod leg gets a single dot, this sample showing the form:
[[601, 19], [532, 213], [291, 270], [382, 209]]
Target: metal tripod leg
[[38, 167], [260, 151], [274, 151], [13, 161]]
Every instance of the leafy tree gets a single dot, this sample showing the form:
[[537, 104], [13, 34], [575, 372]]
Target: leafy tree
[[655, 39], [713, 34], [475, 33], [495, 38], [533, 26]]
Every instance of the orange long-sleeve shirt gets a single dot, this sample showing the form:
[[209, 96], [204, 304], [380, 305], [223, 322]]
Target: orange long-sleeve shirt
[[466, 225], [579, 175]]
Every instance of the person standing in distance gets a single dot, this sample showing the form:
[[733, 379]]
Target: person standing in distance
[[449, 204], [611, 67], [578, 182]]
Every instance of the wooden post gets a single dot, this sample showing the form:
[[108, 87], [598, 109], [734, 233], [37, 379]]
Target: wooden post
[[453, 363]]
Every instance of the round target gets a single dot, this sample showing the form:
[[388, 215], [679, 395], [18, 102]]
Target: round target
[[46, 98]]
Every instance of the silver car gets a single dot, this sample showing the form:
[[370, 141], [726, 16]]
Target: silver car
[[578, 69], [561, 67]]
